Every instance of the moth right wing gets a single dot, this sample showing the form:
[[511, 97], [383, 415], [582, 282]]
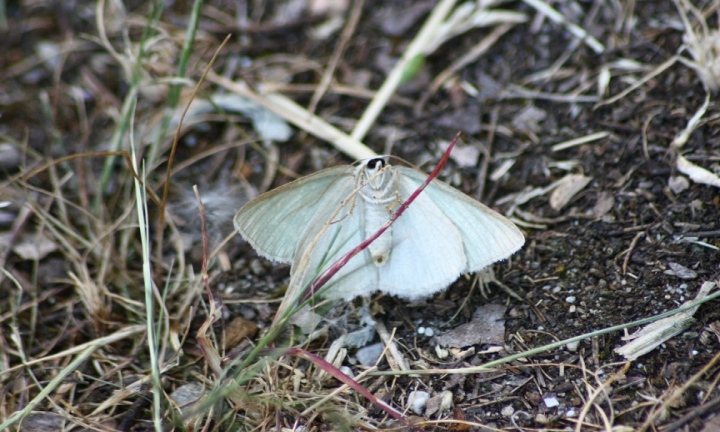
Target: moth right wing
[[274, 222]]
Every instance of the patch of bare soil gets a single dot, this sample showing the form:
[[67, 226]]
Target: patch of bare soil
[[616, 230]]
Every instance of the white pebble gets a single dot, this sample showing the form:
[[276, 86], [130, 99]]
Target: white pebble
[[369, 355], [551, 401], [347, 371], [507, 411]]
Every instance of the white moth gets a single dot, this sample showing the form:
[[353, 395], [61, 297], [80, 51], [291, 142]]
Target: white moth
[[313, 221]]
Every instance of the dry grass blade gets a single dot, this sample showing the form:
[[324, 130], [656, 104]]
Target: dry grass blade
[[577, 31], [299, 116]]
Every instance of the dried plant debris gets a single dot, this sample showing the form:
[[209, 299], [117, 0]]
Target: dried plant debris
[[651, 336], [703, 44], [486, 327], [567, 188], [680, 271], [697, 173], [267, 124]]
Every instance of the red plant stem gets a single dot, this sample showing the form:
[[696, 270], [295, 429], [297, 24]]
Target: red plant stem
[[325, 276], [340, 376]]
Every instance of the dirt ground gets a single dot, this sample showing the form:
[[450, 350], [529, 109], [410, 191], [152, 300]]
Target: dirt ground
[[639, 239]]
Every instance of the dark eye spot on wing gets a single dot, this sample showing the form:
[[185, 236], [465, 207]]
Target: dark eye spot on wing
[[376, 163]]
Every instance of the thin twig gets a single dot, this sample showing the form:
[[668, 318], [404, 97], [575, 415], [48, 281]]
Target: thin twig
[[630, 250]]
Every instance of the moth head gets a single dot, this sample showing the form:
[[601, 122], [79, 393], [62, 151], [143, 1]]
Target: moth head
[[374, 165], [376, 174]]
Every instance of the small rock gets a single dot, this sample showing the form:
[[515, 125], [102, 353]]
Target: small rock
[[678, 184], [257, 268], [347, 371], [369, 355], [507, 411], [9, 157], [573, 346], [551, 401]]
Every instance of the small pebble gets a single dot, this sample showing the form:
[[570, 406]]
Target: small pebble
[[573, 346], [369, 355], [678, 184], [347, 371], [551, 401], [507, 411]]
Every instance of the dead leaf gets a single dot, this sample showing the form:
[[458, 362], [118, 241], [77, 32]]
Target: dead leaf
[[465, 156], [712, 425], [238, 329], [567, 188], [680, 271], [34, 247], [487, 326], [604, 203], [528, 120]]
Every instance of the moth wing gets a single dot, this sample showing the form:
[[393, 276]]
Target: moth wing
[[322, 244], [274, 222], [427, 252], [487, 236]]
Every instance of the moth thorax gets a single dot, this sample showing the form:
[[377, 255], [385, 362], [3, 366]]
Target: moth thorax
[[379, 193], [380, 184]]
